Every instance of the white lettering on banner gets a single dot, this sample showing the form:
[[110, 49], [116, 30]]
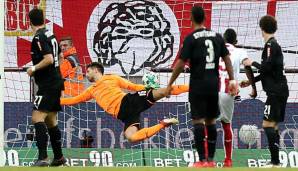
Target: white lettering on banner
[[126, 164], [178, 138], [286, 160], [106, 158], [293, 159], [74, 162], [283, 157], [94, 157], [99, 130], [256, 162], [189, 157], [69, 131], [17, 136], [13, 158], [158, 162], [84, 161], [27, 163], [152, 144]]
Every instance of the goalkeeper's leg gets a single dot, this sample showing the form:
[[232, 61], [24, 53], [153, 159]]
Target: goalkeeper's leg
[[134, 134], [131, 107]]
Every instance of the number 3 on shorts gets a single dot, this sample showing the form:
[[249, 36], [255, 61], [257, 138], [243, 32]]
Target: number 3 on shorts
[[37, 101], [267, 111]]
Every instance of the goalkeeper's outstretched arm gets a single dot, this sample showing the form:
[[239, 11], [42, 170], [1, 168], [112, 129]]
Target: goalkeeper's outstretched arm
[[85, 96], [125, 84]]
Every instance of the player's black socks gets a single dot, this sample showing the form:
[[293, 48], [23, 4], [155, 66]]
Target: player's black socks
[[41, 139], [273, 141], [55, 138], [199, 137], [212, 135]]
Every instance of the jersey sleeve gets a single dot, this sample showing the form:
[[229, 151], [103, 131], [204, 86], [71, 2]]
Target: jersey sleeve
[[43, 45], [125, 84], [84, 96], [186, 50]]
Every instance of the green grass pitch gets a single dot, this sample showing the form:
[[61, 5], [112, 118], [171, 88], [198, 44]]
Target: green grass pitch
[[137, 169]]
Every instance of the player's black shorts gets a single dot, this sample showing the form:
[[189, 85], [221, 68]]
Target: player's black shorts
[[132, 105], [48, 101], [204, 106], [275, 108]]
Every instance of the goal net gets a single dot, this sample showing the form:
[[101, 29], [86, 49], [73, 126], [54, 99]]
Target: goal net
[[131, 38]]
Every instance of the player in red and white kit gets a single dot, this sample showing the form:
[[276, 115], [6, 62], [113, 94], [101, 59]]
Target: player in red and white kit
[[226, 101]]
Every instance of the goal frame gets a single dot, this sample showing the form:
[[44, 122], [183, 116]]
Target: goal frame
[[2, 153]]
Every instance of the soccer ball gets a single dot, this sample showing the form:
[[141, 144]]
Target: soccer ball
[[150, 80], [249, 134]]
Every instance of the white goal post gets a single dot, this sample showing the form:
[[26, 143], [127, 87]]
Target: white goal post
[[2, 153]]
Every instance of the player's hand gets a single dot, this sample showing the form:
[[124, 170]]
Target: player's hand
[[244, 83], [233, 87], [168, 91], [253, 93], [30, 71], [247, 62]]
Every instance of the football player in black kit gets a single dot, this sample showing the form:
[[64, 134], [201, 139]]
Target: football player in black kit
[[203, 48], [46, 73], [274, 83]]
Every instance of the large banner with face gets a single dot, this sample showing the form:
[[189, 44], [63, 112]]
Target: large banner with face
[[125, 35], [130, 35]]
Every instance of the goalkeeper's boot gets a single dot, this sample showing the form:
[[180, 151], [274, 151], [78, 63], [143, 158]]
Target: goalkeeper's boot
[[168, 122], [228, 163], [58, 162], [41, 163]]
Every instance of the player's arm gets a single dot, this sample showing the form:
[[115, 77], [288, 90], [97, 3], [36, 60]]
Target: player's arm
[[229, 66], [47, 60], [179, 67], [125, 84], [251, 79], [225, 54], [233, 88], [186, 53], [85, 96]]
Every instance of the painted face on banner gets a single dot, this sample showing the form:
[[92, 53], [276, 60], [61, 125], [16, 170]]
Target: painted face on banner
[[130, 35]]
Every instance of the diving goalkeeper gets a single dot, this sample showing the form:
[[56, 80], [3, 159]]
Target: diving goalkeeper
[[107, 91]]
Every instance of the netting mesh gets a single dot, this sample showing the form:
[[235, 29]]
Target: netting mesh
[[131, 37]]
